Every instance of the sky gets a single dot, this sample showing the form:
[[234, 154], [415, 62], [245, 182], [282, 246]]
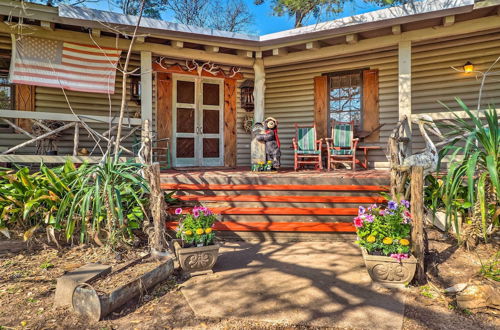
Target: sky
[[264, 21]]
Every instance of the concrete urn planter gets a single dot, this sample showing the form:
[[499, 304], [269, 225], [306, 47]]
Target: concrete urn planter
[[389, 271], [196, 260]]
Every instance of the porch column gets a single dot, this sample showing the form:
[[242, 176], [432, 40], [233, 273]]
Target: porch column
[[259, 90], [404, 86], [147, 87]]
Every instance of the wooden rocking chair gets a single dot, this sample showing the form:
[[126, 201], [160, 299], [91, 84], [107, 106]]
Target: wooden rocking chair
[[342, 144], [306, 147]]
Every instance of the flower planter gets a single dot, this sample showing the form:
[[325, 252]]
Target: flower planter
[[196, 260], [388, 270]]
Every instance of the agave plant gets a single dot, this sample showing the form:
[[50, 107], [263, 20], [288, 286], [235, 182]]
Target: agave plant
[[474, 168], [105, 198]]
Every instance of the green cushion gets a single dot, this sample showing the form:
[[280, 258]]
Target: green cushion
[[308, 152], [306, 139], [342, 135], [341, 151]]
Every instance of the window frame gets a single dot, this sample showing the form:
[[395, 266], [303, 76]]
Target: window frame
[[329, 75], [4, 128]]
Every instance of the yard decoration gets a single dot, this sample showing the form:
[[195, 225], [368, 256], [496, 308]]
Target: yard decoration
[[272, 141], [258, 148], [384, 237], [195, 250]]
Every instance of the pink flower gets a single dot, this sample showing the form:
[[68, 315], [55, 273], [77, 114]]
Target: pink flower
[[178, 211], [382, 212], [358, 222], [196, 213], [369, 218], [399, 256]]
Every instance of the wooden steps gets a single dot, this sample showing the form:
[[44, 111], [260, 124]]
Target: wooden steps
[[302, 205]]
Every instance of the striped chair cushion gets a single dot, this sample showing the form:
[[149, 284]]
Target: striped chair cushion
[[342, 135], [306, 140], [307, 152], [341, 151]]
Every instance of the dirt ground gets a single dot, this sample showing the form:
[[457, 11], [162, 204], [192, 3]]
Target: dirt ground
[[28, 282]]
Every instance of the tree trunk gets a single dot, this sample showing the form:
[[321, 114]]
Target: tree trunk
[[157, 205], [417, 210]]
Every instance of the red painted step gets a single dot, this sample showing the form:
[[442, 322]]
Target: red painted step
[[185, 186], [279, 210], [278, 226], [294, 199]]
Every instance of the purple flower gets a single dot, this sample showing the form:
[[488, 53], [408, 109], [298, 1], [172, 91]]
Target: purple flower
[[405, 203], [399, 256], [196, 213], [178, 211], [369, 217], [392, 205], [361, 210]]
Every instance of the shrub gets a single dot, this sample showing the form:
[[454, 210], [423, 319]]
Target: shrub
[[385, 230], [195, 228]]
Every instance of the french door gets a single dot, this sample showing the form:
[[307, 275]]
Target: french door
[[198, 121]]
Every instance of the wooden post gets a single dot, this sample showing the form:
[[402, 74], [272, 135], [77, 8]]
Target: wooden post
[[417, 210], [259, 90], [76, 139], [404, 87], [157, 205], [146, 87], [146, 139]]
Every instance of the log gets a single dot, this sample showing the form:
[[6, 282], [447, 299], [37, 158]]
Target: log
[[17, 128], [158, 207], [43, 136], [417, 210], [76, 139]]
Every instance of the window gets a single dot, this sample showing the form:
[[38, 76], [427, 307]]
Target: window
[[345, 97], [6, 94]]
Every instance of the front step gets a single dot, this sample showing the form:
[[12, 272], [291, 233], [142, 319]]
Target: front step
[[287, 205]]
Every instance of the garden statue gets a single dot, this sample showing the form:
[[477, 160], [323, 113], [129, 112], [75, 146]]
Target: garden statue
[[272, 141], [428, 159], [258, 149]]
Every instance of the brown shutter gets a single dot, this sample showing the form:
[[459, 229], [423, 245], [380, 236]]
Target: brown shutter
[[371, 117], [229, 122], [25, 101], [164, 107], [321, 105]]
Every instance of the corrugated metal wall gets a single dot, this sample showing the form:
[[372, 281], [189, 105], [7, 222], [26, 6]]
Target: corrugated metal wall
[[290, 94]]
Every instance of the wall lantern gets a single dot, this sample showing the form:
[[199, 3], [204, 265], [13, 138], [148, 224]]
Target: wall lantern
[[135, 89], [246, 89], [468, 67]]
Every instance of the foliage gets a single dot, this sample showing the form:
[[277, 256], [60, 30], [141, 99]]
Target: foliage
[[472, 179], [385, 230], [105, 198], [491, 269], [196, 227], [31, 200]]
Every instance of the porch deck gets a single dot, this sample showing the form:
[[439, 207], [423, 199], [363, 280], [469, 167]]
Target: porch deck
[[281, 206]]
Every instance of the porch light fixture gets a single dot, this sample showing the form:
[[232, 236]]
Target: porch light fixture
[[246, 91], [468, 67], [135, 89]]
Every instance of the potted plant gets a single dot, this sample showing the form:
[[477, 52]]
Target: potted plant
[[384, 237], [195, 248]]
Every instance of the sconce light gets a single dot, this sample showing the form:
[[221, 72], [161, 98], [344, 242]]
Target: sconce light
[[468, 67], [246, 89], [135, 89]]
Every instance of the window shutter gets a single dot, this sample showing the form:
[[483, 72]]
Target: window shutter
[[163, 107], [371, 114], [229, 122], [25, 101], [321, 105]]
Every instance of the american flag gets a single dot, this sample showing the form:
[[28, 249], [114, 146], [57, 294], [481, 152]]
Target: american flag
[[67, 65]]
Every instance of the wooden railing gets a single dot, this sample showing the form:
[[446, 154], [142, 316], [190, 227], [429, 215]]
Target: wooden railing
[[75, 122]]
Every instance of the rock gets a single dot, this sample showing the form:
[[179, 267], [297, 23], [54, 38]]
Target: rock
[[478, 295], [456, 288]]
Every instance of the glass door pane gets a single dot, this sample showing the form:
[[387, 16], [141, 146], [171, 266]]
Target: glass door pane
[[212, 122], [185, 122]]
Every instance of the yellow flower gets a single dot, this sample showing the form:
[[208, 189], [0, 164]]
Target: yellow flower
[[199, 231], [404, 242], [188, 232], [208, 230], [371, 239], [387, 241]]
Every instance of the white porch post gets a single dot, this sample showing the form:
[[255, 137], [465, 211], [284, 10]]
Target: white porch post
[[404, 86], [259, 90], [147, 87]]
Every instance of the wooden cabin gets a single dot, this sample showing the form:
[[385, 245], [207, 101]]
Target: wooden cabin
[[203, 88]]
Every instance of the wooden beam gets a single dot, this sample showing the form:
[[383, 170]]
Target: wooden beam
[[396, 29], [177, 44], [449, 20], [351, 38], [475, 25], [212, 49], [291, 199], [278, 210], [312, 45], [140, 39], [244, 53], [17, 128], [47, 25], [271, 187], [278, 226], [146, 87], [37, 159], [96, 33], [63, 117], [280, 51], [258, 54], [230, 125]]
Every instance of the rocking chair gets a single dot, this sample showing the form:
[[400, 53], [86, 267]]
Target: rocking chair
[[306, 147], [342, 144]]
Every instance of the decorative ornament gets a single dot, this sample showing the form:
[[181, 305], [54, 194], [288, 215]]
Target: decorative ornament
[[248, 124]]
